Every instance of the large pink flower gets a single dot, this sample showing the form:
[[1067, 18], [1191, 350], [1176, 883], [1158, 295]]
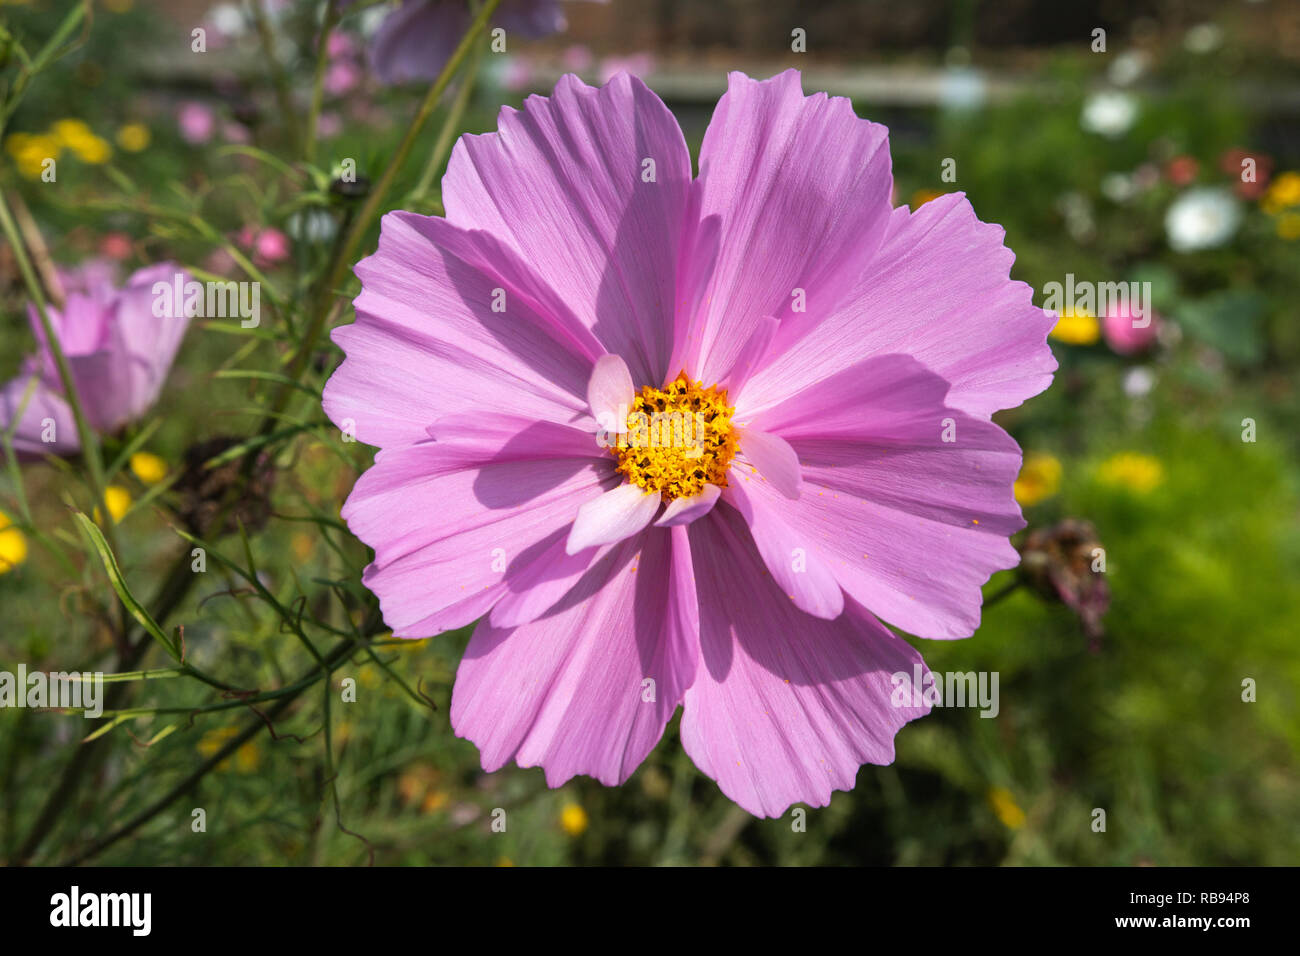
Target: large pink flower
[[118, 349], [848, 474]]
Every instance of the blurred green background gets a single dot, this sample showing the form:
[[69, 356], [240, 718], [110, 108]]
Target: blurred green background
[[1145, 720]]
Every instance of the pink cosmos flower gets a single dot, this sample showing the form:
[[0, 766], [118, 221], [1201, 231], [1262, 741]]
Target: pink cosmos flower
[[1127, 335], [417, 39], [119, 351], [828, 364]]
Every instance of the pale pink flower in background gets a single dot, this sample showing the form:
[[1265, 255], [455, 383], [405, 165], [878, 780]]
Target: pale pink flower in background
[[637, 64], [341, 76], [577, 58], [119, 351], [1127, 335], [269, 246], [196, 122]]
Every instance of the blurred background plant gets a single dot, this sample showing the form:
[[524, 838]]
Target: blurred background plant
[[276, 702]]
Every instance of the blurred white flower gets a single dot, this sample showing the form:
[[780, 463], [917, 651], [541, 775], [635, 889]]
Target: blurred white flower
[[1127, 67], [1109, 114], [1138, 381], [1118, 187], [1202, 218], [1203, 38], [227, 19]]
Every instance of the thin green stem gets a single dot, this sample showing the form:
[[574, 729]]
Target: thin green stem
[[447, 134], [346, 250], [89, 441], [318, 79]]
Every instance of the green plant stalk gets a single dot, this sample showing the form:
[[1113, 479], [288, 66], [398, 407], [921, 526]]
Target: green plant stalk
[[447, 135], [278, 78], [318, 79], [332, 659], [348, 247]]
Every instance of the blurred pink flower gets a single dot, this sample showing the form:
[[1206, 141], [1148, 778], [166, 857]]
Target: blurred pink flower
[[269, 246], [341, 77], [197, 122], [119, 349], [233, 132], [577, 58], [639, 65], [1233, 162], [1127, 335], [329, 125], [517, 74]]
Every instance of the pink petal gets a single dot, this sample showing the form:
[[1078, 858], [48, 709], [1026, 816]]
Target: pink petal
[[43, 404], [617, 514], [773, 457], [563, 184], [569, 691], [785, 708], [937, 290], [427, 342], [682, 511], [796, 564], [910, 525], [801, 189], [750, 358], [452, 524]]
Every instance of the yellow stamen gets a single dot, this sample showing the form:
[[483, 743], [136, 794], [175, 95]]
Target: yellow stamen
[[679, 439]]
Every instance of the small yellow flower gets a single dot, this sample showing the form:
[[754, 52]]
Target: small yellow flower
[[1040, 478], [31, 151], [1131, 470], [71, 132], [505, 861], [1283, 192], [247, 757], [149, 468], [118, 500], [1288, 225], [923, 196], [573, 819], [93, 150], [1005, 808], [134, 137], [1077, 328], [13, 545], [302, 546]]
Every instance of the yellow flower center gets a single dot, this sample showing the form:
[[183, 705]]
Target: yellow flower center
[[679, 439]]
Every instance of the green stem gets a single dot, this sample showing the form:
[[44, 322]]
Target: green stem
[[89, 442], [318, 78], [447, 135], [278, 77], [346, 250]]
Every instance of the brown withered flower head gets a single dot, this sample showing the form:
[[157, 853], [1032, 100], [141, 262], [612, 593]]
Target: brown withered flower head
[[1065, 562]]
